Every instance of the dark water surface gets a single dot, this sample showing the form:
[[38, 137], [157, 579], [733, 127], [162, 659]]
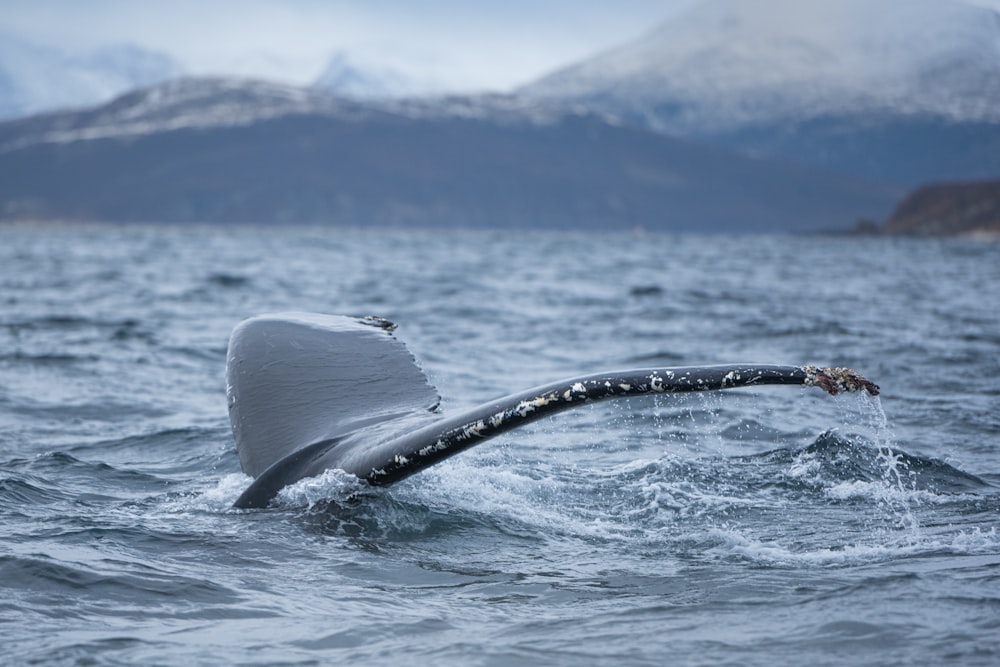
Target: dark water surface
[[752, 527]]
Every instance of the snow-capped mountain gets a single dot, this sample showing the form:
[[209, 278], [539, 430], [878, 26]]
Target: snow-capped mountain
[[903, 92], [727, 64], [227, 150], [185, 103], [36, 78], [202, 103]]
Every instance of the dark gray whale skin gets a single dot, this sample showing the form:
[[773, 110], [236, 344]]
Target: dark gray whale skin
[[310, 392]]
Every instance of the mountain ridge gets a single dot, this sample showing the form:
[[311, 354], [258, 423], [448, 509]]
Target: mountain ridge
[[737, 61], [243, 151], [757, 76]]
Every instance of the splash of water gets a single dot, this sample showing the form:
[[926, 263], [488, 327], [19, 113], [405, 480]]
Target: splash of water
[[896, 473]]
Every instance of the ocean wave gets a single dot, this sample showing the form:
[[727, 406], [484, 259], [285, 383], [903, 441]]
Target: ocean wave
[[81, 586], [732, 543]]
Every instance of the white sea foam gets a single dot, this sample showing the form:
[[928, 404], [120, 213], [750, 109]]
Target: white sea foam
[[217, 498], [733, 543], [882, 492], [332, 484]]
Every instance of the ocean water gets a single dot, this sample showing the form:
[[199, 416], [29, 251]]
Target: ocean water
[[748, 527]]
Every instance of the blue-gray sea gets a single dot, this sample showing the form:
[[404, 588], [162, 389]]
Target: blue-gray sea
[[749, 527]]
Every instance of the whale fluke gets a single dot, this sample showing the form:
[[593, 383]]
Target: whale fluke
[[310, 392]]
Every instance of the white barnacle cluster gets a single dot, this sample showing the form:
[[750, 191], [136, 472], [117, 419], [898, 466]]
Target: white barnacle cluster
[[436, 447], [836, 380], [624, 386], [578, 390], [815, 376], [475, 429], [401, 460], [731, 378], [528, 406], [523, 408], [655, 383]]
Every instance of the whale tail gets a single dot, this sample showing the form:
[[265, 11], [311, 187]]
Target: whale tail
[[294, 379], [311, 392]]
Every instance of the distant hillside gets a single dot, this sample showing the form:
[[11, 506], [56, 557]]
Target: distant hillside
[[901, 92], [221, 150], [948, 210]]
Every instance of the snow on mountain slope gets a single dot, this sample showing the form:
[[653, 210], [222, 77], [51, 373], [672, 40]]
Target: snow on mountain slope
[[186, 103], [727, 63], [219, 102]]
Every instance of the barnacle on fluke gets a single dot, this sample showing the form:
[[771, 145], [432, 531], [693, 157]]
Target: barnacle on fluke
[[838, 380]]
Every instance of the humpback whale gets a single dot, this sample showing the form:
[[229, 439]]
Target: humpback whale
[[310, 392]]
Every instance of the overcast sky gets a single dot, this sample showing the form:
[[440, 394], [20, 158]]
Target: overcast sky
[[450, 44], [460, 45]]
